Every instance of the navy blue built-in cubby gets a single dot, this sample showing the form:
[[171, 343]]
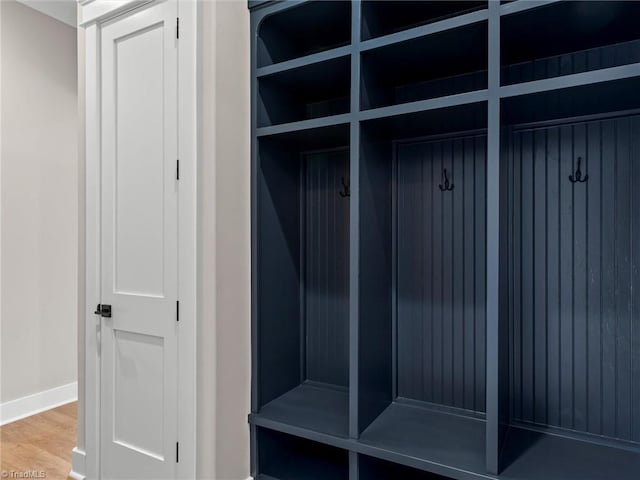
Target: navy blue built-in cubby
[[445, 240]]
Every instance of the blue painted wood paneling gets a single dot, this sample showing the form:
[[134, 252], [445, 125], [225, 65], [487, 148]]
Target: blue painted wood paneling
[[326, 264], [441, 272], [574, 270]]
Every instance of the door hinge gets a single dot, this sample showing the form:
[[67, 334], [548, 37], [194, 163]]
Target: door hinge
[[177, 169], [177, 452], [177, 310], [177, 27]]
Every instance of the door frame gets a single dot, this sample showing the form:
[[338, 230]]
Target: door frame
[[93, 14]]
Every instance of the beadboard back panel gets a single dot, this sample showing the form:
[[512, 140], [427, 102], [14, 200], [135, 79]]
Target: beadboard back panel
[[574, 268], [326, 263], [441, 272]]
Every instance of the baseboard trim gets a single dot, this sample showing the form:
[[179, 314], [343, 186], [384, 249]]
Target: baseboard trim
[[38, 402], [78, 461]]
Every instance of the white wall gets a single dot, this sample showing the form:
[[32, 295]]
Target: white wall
[[225, 317], [39, 207]]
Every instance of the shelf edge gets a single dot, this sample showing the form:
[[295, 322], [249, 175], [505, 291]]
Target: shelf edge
[[419, 463], [574, 80], [301, 125], [425, 30], [523, 6], [475, 96], [300, 62], [325, 438]]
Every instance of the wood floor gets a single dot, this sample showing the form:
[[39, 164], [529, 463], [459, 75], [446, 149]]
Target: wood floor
[[41, 443]]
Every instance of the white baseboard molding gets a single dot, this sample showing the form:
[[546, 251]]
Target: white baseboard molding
[[78, 461], [38, 402]]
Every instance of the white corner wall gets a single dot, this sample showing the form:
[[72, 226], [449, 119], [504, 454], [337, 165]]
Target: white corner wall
[[38, 204], [224, 353]]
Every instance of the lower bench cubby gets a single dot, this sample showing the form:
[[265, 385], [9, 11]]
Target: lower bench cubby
[[371, 468], [423, 269], [285, 457]]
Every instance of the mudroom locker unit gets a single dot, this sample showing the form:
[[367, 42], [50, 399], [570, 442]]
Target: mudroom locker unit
[[445, 240]]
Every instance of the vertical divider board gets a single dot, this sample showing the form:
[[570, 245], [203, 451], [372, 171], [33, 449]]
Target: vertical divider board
[[497, 326], [354, 239], [413, 396], [354, 250]]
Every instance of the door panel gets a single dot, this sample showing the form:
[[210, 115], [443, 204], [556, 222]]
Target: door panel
[[139, 245]]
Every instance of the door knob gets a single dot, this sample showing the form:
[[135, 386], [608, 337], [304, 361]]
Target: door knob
[[103, 310]]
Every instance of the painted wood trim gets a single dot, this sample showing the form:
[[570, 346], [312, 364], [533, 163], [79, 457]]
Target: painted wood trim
[[92, 249], [38, 402], [78, 464], [188, 141], [93, 11]]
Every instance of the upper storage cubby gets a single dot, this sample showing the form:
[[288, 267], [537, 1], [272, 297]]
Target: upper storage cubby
[[302, 30], [437, 65], [385, 17], [568, 37], [312, 91]]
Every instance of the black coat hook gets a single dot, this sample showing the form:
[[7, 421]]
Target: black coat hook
[[577, 177], [445, 180], [346, 188]]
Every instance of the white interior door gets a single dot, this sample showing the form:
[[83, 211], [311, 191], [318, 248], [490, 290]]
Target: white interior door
[[139, 261]]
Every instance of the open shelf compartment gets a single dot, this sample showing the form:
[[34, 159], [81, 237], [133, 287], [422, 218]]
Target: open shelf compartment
[[285, 457], [569, 37], [438, 65], [371, 468], [301, 30], [312, 91], [303, 279], [573, 268], [384, 17], [423, 257]]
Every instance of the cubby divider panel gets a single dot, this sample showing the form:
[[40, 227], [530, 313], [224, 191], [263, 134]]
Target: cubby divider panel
[[438, 65], [312, 91], [383, 17], [285, 457], [303, 278], [428, 211], [301, 30], [573, 269], [569, 37]]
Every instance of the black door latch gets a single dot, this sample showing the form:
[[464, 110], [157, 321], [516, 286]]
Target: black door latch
[[103, 310]]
